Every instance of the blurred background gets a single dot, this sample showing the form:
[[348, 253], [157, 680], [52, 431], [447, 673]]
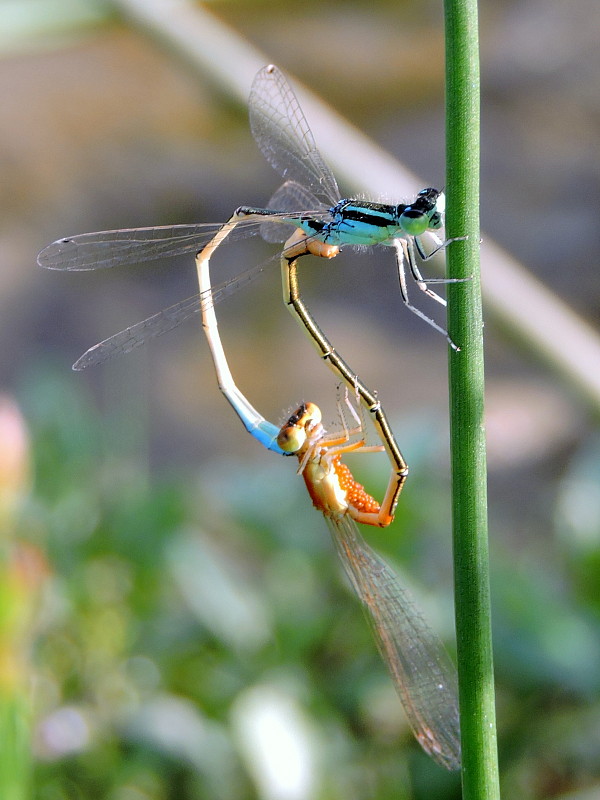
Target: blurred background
[[167, 588]]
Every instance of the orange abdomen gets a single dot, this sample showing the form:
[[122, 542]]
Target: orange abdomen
[[356, 494]]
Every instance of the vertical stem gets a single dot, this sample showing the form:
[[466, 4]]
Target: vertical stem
[[467, 432]]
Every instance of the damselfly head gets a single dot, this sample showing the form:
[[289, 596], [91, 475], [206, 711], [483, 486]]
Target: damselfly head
[[423, 214], [296, 432]]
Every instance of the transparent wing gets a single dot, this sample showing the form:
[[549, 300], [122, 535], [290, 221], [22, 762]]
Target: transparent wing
[[423, 674], [110, 248], [289, 197], [105, 249], [136, 335], [282, 134]]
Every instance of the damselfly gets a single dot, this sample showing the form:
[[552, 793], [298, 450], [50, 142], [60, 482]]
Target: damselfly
[[309, 202], [423, 675]]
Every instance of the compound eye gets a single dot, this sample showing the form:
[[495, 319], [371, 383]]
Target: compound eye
[[313, 414], [436, 221], [291, 438], [294, 434], [414, 222]]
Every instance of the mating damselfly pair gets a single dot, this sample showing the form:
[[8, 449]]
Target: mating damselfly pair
[[308, 214], [309, 201], [422, 673]]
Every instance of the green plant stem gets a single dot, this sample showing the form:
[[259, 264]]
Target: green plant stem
[[467, 432]]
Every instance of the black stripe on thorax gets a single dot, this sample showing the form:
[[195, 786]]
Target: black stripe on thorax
[[369, 215]]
